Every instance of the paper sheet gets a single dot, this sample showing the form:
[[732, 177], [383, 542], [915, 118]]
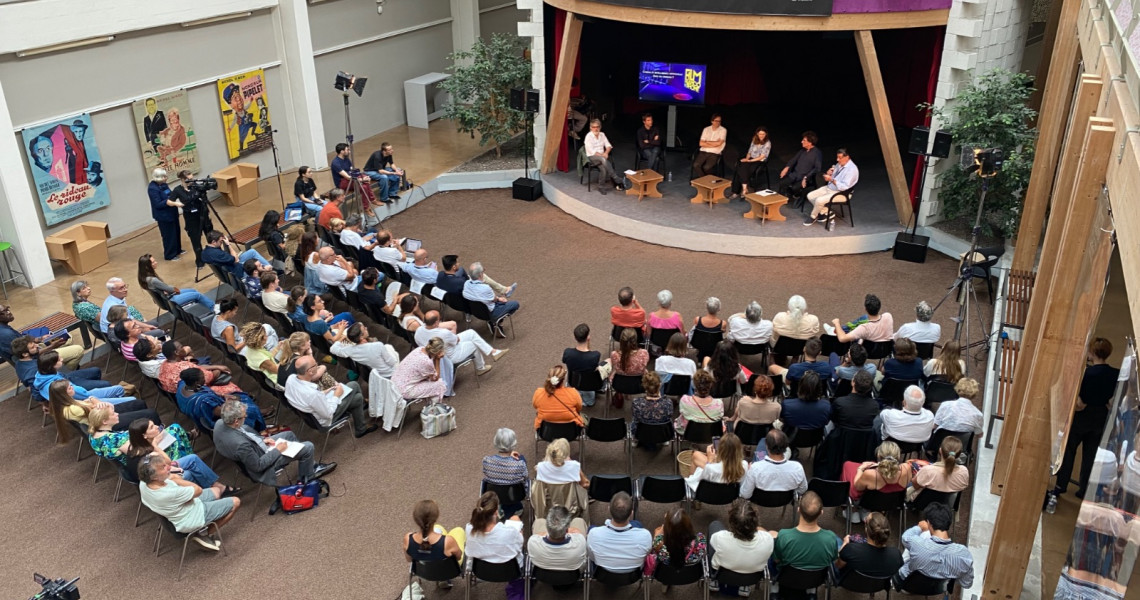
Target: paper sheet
[[164, 441], [293, 449]]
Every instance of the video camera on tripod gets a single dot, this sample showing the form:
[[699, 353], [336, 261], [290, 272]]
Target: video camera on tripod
[[203, 185], [55, 589]]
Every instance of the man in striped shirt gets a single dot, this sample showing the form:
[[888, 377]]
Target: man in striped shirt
[[932, 553]]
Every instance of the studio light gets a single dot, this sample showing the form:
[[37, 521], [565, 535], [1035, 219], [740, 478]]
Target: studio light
[[348, 81]]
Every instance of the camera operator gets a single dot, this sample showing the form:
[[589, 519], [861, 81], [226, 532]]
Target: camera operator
[[194, 212], [222, 252]]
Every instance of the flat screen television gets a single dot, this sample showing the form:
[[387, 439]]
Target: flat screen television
[[672, 83]]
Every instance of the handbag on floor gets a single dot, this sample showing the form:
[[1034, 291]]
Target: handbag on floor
[[300, 497], [437, 419]]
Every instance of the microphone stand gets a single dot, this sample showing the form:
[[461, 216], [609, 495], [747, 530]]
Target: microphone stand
[[277, 165]]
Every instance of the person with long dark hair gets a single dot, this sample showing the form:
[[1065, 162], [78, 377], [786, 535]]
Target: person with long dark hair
[[490, 540], [149, 279], [724, 364], [274, 240], [431, 541], [305, 192], [676, 542], [145, 437], [756, 158]]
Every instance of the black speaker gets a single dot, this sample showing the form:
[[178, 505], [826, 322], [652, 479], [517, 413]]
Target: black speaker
[[942, 143], [532, 101], [518, 99], [910, 247], [919, 138], [526, 189]]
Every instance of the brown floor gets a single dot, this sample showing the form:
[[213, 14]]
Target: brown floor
[[568, 272]]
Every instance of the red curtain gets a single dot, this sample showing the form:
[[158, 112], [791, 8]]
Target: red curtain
[[931, 86]]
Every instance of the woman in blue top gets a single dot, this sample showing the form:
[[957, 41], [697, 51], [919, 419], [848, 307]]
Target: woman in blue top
[[48, 365], [809, 410], [323, 323], [905, 364], [165, 213]]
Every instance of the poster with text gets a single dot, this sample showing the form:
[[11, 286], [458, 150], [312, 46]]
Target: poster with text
[[164, 128], [66, 168], [245, 112]]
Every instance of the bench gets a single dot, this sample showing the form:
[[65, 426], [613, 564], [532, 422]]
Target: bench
[[1018, 291], [1007, 362], [59, 321]]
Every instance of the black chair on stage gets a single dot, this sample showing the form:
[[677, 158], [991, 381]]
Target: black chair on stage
[[842, 202], [659, 164]]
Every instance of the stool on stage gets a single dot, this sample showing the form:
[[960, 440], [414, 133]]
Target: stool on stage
[[644, 184], [6, 249], [765, 207], [710, 188]]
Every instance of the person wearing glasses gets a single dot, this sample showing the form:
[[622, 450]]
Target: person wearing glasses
[[186, 505], [712, 145]]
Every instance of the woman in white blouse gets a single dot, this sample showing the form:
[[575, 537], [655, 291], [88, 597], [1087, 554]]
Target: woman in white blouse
[[490, 540], [675, 361], [558, 467], [723, 463]]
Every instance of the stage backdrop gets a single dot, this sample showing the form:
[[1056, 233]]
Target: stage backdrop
[[166, 134], [245, 112], [66, 168]]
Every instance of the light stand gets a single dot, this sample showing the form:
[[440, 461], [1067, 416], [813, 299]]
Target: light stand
[[277, 165], [345, 82]]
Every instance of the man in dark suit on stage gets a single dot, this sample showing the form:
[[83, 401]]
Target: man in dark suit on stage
[[797, 175]]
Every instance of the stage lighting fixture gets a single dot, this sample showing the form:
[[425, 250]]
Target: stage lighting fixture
[[346, 81], [987, 161]]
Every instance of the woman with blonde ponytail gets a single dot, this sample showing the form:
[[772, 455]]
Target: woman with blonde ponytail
[[554, 402], [884, 475], [946, 475]]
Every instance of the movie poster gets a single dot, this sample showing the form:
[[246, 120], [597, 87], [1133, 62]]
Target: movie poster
[[166, 134], [66, 168], [245, 112]]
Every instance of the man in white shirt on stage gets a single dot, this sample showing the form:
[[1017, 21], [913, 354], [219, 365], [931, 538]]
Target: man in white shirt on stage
[[712, 145], [458, 347], [840, 178], [598, 149]]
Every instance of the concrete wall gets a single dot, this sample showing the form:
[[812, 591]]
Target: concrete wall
[[499, 16]]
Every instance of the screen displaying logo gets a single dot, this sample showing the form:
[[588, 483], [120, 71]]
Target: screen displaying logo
[[672, 83]]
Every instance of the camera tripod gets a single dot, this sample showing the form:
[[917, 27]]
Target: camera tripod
[[229, 236], [354, 203]]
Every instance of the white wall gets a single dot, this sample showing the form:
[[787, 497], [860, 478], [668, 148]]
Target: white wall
[[493, 19]]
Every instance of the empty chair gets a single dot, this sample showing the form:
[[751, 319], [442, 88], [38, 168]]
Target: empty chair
[[799, 580], [660, 489], [833, 494], [608, 431]]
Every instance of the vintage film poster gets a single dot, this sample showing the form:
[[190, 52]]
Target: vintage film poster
[[66, 168], [165, 133], [245, 112]]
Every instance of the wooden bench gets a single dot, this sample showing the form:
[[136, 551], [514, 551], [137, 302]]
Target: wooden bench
[[1007, 361], [59, 321], [1018, 291]]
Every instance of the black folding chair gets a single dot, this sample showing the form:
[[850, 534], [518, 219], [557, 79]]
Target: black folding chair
[[751, 434], [627, 385], [164, 524], [716, 494], [606, 431], [806, 438], [481, 312], [672, 576], [879, 350], [726, 577], [834, 494], [701, 434], [891, 392], [436, 571], [831, 344], [616, 580], [515, 493], [603, 488], [654, 434], [660, 489], [659, 340], [705, 342], [482, 570], [938, 390], [921, 585], [786, 346], [557, 579], [548, 432], [876, 501], [854, 581], [780, 500], [800, 580], [677, 386]]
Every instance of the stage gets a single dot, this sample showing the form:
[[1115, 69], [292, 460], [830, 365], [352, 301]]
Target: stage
[[673, 220]]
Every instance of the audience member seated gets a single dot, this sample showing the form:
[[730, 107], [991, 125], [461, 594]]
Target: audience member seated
[[110, 440], [145, 437], [796, 323], [905, 364], [676, 537], [257, 354], [81, 306], [581, 359], [620, 546], [203, 405], [775, 473], [807, 547], [26, 352], [478, 290], [48, 365], [336, 270], [223, 329], [873, 327], [558, 467], [149, 357], [116, 296], [421, 268], [180, 357], [724, 364], [369, 290], [363, 350], [220, 251], [388, 249], [262, 455], [63, 405], [719, 464], [743, 546], [251, 279], [870, 555], [912, 423], [556, 403], [506, 466], [411, 317], [664, 317], [331, 209], [921, 330], [331, 328], [700, 407], [710, 322], [946, 475], [490, 540], [813, 362], [149, 279], [627, 312], [760, 407], [418, 375], [884, 475], [353, 235], [335, 227], [558, 542], [931, 552], [432, 541], [676, 359], [307, 252], [128, 331], [326, 405], [466, 344], [186, 505], [949, 365], [650, 408], [855, 360], [273, 237], [273, 298], [857, 410], [749, 327], [961, 415], [809, 409], [452, 277], [630, 358]]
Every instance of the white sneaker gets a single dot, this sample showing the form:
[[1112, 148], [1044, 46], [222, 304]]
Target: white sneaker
[[206, 542], [497, 354]]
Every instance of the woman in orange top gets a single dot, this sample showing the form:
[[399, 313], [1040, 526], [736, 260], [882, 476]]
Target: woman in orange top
[[556, 403]]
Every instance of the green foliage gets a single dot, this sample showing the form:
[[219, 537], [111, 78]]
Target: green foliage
[[992, 113], [480, 87]]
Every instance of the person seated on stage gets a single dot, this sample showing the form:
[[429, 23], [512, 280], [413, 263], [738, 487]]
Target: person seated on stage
[[366, 351], [369, 290], [775, 473], [961, 415], [186, 505], [930, 551], [272, 297], [382, 170], [803, 167], [149, 279], [749, 327], [421, 268], [477, 289], [756, 158], [912, 423], [648, 141], [796, 322], [452, 277], [627, 312], [351, 235], [812, 362], [853, 361], [873, 327], [48, 364], [26, 353], [921, 330], [336, 270], [303, 393], [388, 249], [459, 347], [305, 192], [598, 149], [905, 364], [179, 358], [840, 177], [252, 279], [712, 142], [580, 106], [331, 209], [341, 167], [222, 252]]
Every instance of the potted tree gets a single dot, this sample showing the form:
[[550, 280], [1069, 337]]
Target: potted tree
[[480, 87]]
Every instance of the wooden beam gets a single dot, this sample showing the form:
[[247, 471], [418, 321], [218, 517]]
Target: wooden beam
[[1088, 96], [704, 20], [1051, 127], [1047, 41], [560, 100], [1018, 513], [879, 105]]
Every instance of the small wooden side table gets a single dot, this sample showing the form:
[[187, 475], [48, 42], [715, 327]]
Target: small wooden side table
[[644, 184], [710, 188], [765, 208]]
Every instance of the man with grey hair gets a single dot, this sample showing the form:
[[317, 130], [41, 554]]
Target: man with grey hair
[[921, 330], [477, 290], [116, 296], [558, 543], [326, 405], [352, 234], [749, 327], [912, 423], [262, 455], [335, 270], [186, 505]]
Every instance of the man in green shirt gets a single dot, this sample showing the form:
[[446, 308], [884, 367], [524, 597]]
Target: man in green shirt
[[808, 546]]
